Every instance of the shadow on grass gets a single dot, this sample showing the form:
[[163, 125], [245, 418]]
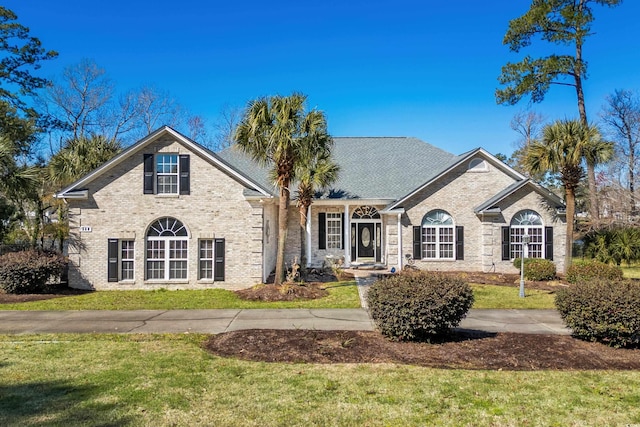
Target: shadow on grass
[[56, 403]]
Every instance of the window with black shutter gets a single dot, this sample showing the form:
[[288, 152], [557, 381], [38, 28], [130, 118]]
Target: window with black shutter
[[166, 173]]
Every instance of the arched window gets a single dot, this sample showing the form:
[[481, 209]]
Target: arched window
[[366, 212], [478, 165], [529, 223], [167, 250], [438, 235]]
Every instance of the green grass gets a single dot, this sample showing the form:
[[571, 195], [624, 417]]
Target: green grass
[[168, 380], [632, 272], [492, 296], [341, 295]]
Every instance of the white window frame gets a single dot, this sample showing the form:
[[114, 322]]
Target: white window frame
[[167, 253], [205, 259], [526, 222], [167, 166], [438, 236], [334, 230], [127, 257]]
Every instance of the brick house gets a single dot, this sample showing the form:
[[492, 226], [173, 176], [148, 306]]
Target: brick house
[[168, 213]]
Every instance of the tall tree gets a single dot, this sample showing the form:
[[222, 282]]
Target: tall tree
[[561, 150], [275, 131], [621, 115], [316, 170], [564, 23], [21, 54]]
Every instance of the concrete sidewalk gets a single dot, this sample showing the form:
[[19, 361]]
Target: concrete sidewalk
[[218, 321]]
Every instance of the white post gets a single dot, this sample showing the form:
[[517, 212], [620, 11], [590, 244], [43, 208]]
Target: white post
[[525, 250], [347, 236], [308, 231], [399, 239]]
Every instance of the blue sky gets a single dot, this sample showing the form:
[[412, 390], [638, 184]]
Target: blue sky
[[377, 68]]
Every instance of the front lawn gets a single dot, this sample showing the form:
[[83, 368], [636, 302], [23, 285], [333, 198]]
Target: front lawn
[[341, 295], [494, 296], [169, 380]]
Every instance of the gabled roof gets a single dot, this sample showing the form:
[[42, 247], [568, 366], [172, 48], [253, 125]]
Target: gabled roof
[[370, 167], [490, 205], [76, 189], [463, 158]]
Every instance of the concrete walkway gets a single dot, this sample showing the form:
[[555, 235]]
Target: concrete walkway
[[218, 321]]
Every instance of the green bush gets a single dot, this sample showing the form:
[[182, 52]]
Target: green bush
[[602, 310], [418, 305], [537, 268], [29, 271], [583, 271]]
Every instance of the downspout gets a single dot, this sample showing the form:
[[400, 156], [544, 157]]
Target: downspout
[[400, 256]]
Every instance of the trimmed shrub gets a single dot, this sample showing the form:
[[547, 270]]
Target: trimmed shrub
[[418, 305], [584, 271], [602, 310], [537, 268], [29, 271]]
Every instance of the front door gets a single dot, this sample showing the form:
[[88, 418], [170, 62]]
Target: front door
[[366, 240]]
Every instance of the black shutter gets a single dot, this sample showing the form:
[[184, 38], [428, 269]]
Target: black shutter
[[322, 230], [218, 264], [112, 260], [417, 242], [459, 242], [506, 235], [185, 187], [148, 174], [548, 243]]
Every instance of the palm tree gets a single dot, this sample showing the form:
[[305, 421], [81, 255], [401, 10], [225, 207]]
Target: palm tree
[[561, 150], [80, 156], [315, 171], [276, 131], [18, 184]]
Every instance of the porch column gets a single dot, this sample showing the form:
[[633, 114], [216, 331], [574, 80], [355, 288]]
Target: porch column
[[308, 231], [347, 236], [400, 254]]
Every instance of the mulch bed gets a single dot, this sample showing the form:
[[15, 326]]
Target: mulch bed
[[502, 351]]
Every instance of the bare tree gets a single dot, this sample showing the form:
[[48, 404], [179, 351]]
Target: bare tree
[[621, 115], [157, 108], [528, 124], [77, 98], [226, 124], [85, 102]]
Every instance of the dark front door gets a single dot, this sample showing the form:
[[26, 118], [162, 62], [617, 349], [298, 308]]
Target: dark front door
[[366, 243]]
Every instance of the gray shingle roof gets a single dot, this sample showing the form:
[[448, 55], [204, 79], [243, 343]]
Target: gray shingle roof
[[370, 167]]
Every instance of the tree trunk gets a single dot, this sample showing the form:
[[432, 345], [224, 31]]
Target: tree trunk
[[283, 213], [591, 168], [571, 207], [303, 209]]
